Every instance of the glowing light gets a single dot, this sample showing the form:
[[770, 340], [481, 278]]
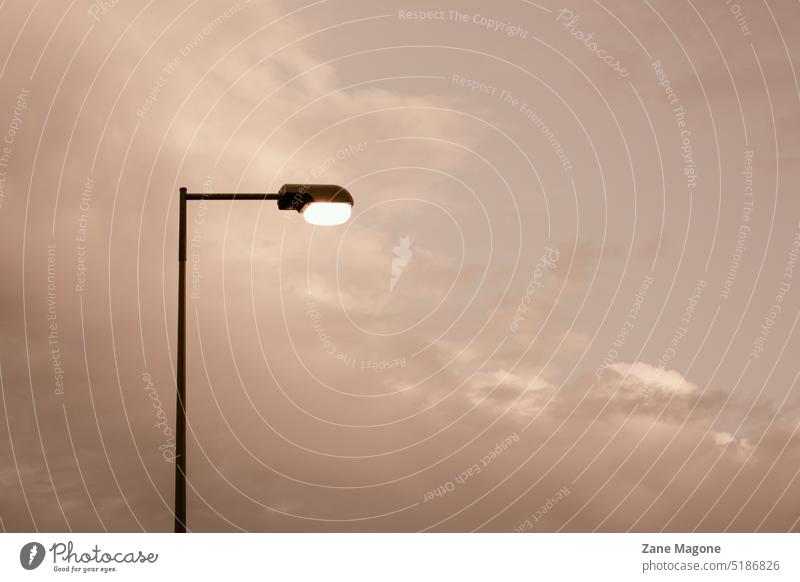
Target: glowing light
[[327, 213]]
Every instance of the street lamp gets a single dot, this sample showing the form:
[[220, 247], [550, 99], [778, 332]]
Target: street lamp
[[320, 204]]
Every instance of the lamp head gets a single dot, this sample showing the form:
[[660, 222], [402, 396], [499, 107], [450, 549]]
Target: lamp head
[[320, 204]]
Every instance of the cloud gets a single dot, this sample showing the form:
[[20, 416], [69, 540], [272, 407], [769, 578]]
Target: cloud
[[644, 378]]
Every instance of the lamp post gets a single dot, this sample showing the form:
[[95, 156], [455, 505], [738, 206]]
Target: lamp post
[[320, 204]]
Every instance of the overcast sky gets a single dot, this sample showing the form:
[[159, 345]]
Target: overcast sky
[[567, 298]]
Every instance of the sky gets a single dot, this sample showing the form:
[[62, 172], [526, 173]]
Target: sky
[[566, 300]]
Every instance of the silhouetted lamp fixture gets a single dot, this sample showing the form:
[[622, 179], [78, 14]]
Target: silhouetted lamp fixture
[[320, 204]]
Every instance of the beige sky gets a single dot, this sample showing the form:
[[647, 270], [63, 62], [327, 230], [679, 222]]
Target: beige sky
[[566, 299]]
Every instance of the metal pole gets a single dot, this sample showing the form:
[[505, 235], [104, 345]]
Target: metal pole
[[180, 411], [180, 374]]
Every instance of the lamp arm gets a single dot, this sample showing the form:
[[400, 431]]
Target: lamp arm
[[205, 196]]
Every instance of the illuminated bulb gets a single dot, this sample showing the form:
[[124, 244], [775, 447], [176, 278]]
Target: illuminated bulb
[[327, 213]]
